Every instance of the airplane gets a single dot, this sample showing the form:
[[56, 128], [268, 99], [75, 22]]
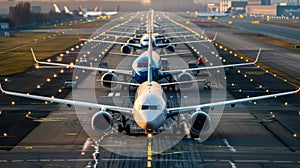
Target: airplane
[[149, 109], [140, 72], [214, 15], [67, 11], [85, 13], [164, 41], [56, 9]]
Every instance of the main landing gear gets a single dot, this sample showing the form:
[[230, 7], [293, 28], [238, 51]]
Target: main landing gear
[[124, 127]]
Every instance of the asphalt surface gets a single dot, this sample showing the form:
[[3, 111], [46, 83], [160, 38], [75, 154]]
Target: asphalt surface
[[246, 136]]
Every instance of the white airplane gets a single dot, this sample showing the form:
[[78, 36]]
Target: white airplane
[[86, 13], [213, 15], [67, 11], [149, 109], [56, 9]]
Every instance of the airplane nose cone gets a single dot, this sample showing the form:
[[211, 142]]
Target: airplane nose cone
[[149, 119]]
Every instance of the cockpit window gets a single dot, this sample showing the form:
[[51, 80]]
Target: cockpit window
[[149, 107], [142, 64]]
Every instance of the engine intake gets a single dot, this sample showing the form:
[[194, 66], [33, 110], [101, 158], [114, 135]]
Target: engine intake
[[126, 49], [199, 122], [102, 121], [170, 48], [107, 79], [132, 41], [185, 77]]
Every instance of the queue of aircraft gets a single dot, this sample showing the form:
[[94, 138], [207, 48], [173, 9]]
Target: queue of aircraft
[[149, 109], [87, 13]]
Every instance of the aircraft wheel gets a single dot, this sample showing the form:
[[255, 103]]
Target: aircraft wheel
[[120, 128], [127, 129]]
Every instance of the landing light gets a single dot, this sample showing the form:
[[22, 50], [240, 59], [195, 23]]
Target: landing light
[[5, 134]]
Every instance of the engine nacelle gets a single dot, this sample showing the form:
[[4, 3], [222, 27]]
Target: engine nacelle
[[185, 77], [131, 40], [108, 78], [168, 41], [101, 121], [199, 122], [170, 48], [126, 49]]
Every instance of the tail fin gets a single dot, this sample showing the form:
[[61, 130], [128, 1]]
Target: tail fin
[[228, 10], [56, 9], [117, 8]]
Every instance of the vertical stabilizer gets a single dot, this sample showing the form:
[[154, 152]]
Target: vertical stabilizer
[[56, 9]]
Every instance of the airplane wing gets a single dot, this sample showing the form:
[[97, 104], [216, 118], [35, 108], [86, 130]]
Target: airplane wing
[[182, 82], [112, 42], [186, 42], [123, 110], [178, 110], [162, 55], [123, 72], [211, 67], [120, 82]]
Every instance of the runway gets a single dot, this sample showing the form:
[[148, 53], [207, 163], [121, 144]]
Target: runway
[[247, 135]]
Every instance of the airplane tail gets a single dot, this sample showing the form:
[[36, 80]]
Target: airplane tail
[[228, 10], [67, 10], [56, 9], [117, 8]]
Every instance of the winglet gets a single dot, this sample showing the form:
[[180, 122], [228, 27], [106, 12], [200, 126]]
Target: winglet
[[296, 92], [1, 89], [257, 57], [33, 55]]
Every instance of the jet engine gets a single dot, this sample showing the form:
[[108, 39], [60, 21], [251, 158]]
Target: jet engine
[[126, 49], [170, 48], [102, 121], [107, 78], [131, 40], [199, 122], [185, 77]]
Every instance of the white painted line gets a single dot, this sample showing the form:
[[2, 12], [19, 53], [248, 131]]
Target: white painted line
[[282, 161], [45, 160], [79, 160], [118, 94], [31, 160], [224, 161], [232, 164], [3, 161], [185, 97], [231, 148], [252, 161], [209, 160], [110, 94], [20, 160], [58, 160]]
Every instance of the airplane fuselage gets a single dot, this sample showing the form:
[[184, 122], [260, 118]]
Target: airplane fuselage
[[149, 109], [140, 67]]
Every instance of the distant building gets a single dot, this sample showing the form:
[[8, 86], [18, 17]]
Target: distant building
[[239, 6], [288, 10], [261, 10], [265, 2], [4, 26], [254, 2], [36, 9]]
